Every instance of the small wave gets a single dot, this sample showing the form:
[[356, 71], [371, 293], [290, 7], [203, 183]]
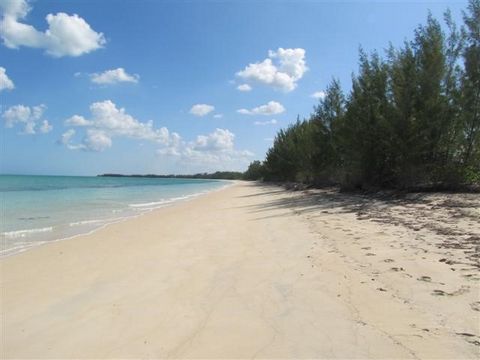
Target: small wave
[[23, 233], [85, 222], [151, 205], [93, 221]]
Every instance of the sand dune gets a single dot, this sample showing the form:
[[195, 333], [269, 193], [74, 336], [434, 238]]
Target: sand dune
[[254, 271]]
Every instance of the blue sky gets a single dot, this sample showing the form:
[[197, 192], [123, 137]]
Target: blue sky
[[152, 86]]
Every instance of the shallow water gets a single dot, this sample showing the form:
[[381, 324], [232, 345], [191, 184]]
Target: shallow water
[[37, 209]]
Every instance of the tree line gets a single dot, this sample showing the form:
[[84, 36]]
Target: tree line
[[411, 118]]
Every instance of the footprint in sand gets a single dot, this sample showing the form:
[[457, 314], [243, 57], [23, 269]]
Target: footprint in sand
[[462, 290], [366, 248], [475, 306], [425, 278], [370, 254], [397, 269], [388, 260], [471, 277], [470, 338]]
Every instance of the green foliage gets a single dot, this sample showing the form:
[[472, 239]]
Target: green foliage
[[410, 120], [291, 157], [255, 171], [471, 86]]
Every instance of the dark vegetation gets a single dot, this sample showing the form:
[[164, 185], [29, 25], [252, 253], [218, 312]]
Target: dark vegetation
[[410, 121]]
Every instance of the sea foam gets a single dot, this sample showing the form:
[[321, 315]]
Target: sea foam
[[26, 232]]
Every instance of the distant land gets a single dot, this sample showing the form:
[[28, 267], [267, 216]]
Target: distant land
[[218, 175]]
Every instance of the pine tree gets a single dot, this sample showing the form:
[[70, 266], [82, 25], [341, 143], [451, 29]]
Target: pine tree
[[471, 87]]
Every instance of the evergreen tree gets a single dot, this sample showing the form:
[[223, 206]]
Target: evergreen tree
[[411, 121], [255, 171], [403, 91], [367, 131], [471, 87], [327, 120]]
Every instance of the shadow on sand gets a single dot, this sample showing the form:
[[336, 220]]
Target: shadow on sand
[[453, 218]]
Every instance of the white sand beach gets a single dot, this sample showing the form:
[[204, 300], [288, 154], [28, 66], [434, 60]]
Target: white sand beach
[[254, 271]]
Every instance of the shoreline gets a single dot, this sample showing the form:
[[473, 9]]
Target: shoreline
[[105, 222], [253, 271]]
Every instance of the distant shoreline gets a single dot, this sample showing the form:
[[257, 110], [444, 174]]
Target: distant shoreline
[[219, 175]]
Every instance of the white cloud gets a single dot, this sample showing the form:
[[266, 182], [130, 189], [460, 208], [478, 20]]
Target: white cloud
[[319, 95], [281, 70], [107, 121], [220, 139], [66, 139], [218, 116], [271, 108], [67, 136], [97, 140], [268, 122], [28, 117], [77, 120], [113, 76], [66, 35], [46, 127], [214, 151], [244, 87], [5, 82], [201, 109]]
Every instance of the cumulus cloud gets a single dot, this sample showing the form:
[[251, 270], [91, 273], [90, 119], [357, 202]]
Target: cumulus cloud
[[67, 136], [108, 121], [281, 70], [244, 87], [28, 117], [268, 122], [46, 127], [218, 116], [66, 35], [77, 120], [97, 140], [113, 76], [5, 82], [271, 108], [220, 139], [201, 109], [320, 95], [213, 151]]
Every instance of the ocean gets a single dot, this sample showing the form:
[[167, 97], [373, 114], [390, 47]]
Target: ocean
[[38, 209]]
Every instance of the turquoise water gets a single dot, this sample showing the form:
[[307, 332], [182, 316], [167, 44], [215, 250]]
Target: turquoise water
[[37, 209]]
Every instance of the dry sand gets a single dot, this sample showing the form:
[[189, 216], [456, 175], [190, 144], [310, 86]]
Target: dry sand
[[254, 271]]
